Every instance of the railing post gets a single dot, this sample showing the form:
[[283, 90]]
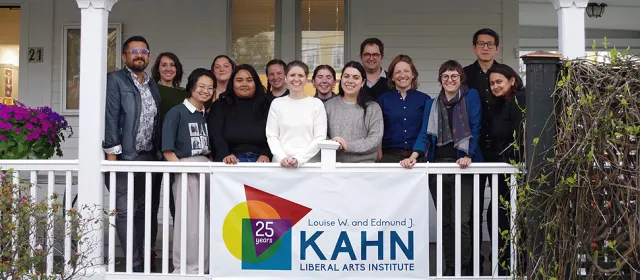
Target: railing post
[[328, 154], [93, 80], [542, 74]]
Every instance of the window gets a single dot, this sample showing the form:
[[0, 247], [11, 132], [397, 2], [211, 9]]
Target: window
[[253, 32], [70, 85], [322, 32]]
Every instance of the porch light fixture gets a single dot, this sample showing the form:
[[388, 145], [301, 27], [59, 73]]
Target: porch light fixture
[[595, 10]]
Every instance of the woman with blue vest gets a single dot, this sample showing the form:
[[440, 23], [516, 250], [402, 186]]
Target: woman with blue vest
[[450, 132]]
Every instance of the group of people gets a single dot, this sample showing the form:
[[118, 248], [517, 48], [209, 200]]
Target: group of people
[[225, 114]]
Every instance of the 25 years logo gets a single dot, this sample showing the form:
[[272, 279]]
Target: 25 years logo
[[258, 231]]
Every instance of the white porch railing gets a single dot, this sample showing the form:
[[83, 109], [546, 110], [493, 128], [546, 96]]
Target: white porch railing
[[66, 170]]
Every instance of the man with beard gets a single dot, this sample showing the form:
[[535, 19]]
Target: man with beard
[[132, 127], [371, 55]]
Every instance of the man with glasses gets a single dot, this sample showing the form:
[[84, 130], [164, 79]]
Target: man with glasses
[[132, 132], [486, 44], [371, 55]]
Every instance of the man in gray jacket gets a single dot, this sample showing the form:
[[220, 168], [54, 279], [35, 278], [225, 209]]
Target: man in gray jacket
[[132, 132]]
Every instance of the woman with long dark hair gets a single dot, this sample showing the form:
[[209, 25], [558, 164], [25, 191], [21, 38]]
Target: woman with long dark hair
[[353, 119], [506, 119], [449, 133], [238, 121]]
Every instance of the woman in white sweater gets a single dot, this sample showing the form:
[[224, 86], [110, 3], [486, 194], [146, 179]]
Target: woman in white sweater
[[296, 122]]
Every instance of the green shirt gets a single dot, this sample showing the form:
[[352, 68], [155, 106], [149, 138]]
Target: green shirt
[[170, 97]]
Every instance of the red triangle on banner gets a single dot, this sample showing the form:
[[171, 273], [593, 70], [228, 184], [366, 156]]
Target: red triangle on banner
[[286, 209]]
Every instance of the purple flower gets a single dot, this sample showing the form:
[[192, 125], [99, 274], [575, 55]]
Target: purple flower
[[5, 126], [28, 126], [33, 135], [3, 138], [5, 114], [17, 130]]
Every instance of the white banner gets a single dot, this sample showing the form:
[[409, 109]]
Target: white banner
[[320, 225]]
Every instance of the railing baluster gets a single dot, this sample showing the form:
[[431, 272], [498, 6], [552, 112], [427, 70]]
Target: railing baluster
[[495, 233], [201, 230], [67, 221], [428, 251], [112, 222], [183, 224], [147, 223], [439, 226], [130, 212], [211, 223], [476, 225], [165, 223], [458, 225], [50, 246], [514, 212]]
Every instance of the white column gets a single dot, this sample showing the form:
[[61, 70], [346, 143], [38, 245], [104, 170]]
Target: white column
[[328, 154], [571, 27], [93, 81]]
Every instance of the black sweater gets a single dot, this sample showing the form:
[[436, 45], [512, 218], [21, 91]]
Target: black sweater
[[237, 128], [505, 118]]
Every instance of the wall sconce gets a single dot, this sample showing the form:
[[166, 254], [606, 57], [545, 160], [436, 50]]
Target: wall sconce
[[595, 10]]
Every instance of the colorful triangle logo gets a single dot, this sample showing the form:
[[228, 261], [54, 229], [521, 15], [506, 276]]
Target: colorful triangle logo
[[266, 232]]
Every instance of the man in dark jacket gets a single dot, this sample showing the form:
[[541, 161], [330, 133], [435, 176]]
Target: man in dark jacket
[[486, 45], [132, 132]]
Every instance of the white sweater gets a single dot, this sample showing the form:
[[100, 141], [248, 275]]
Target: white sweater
[[295, 127]]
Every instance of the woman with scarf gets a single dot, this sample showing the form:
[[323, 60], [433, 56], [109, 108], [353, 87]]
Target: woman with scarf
[[449, 133]]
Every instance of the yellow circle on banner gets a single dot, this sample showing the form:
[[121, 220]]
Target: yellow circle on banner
[[232, 225]]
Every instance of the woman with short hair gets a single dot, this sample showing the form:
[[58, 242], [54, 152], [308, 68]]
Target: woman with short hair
[[402, 110], [296, 123], [275, 79], [185, 138], [353, 119], [238, 121], [450, 132]]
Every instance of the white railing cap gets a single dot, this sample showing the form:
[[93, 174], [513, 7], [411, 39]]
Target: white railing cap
[[328, 145]]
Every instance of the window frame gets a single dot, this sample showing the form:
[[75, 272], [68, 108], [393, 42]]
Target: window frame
[[63, 70]]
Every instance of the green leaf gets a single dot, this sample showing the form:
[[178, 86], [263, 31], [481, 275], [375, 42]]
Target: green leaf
[[560, 83], [535, 141], [623, 102], [571, 180]]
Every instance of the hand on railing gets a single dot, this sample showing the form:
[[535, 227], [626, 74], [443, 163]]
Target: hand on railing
[[410, 161], [463, 162], [342, 142], [230, 159], [289, 162]]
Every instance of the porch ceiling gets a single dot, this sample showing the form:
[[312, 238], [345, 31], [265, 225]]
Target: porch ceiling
[[619, 15]]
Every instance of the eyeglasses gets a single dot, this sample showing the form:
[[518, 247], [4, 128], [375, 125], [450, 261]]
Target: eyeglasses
[[139, 51], [453, 77], [369, 55], [202, 87], [489, 45]]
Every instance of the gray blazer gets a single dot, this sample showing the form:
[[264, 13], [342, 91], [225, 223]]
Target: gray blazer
[[122, 114]]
